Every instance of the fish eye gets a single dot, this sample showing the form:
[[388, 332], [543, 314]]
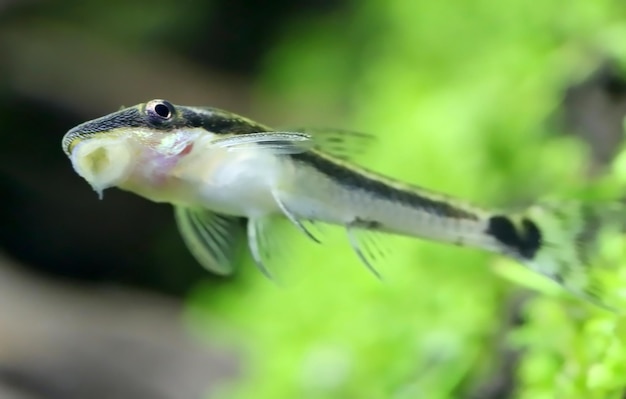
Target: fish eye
[[160, 109]]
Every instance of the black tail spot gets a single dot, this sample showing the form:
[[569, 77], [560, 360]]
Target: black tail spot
[[526, 240]]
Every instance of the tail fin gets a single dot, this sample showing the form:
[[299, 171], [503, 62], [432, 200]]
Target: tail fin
[[582, 248]]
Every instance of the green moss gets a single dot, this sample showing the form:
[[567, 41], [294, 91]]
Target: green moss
[[459, 94]]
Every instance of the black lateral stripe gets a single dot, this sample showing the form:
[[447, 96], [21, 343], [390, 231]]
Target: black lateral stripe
[[380, 189], [221, 122]]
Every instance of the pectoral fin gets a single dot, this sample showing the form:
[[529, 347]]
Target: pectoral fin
[[210, 237]]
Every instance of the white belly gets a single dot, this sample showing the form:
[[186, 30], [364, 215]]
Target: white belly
[[235, 182]]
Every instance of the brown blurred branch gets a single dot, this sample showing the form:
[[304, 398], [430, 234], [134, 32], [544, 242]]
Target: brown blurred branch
[[62, 341], [60, 65]]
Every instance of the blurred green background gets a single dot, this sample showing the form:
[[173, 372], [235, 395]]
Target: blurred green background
[[495, 102]]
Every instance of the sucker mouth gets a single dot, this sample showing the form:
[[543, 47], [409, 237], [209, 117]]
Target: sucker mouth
[[102, 163]]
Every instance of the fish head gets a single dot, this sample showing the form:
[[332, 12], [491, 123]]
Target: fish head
[[143, 140], [137, 147]]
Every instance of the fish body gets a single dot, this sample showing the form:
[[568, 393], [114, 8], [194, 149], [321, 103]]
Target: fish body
[[224, 173]]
